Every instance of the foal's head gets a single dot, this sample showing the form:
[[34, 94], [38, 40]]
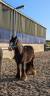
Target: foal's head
[[13, 43]]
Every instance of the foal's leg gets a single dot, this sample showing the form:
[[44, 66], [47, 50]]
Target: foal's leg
[[32, 67], [18, 71], [24, 76], [28, 68]]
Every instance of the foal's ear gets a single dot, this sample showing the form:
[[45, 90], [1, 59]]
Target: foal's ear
[[15, 37]]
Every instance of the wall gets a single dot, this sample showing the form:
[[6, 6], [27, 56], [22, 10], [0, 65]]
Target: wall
[[10, 54], [37, 47], [6, 52]]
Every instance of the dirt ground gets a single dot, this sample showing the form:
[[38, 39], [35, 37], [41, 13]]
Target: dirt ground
[[37, 85]]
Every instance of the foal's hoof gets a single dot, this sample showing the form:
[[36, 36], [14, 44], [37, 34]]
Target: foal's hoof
[[33, 72], [17, 76], [24, 78]]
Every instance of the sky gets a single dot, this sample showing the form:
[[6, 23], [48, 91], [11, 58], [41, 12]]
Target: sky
[[38, 10]]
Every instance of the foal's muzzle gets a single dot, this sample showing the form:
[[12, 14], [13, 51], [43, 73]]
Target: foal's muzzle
[[10, 47]]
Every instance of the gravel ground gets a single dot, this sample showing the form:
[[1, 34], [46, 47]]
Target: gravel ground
[[37, 85]]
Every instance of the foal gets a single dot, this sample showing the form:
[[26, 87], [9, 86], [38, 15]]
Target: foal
[[24, 56]]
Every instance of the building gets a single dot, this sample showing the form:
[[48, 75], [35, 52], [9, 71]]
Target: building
[[47, 45], [27, 30]]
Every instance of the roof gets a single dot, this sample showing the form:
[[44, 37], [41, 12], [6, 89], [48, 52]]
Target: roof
[[8, 5], [47, 40]]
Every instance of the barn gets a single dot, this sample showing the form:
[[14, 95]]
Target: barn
[[13, 22]]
